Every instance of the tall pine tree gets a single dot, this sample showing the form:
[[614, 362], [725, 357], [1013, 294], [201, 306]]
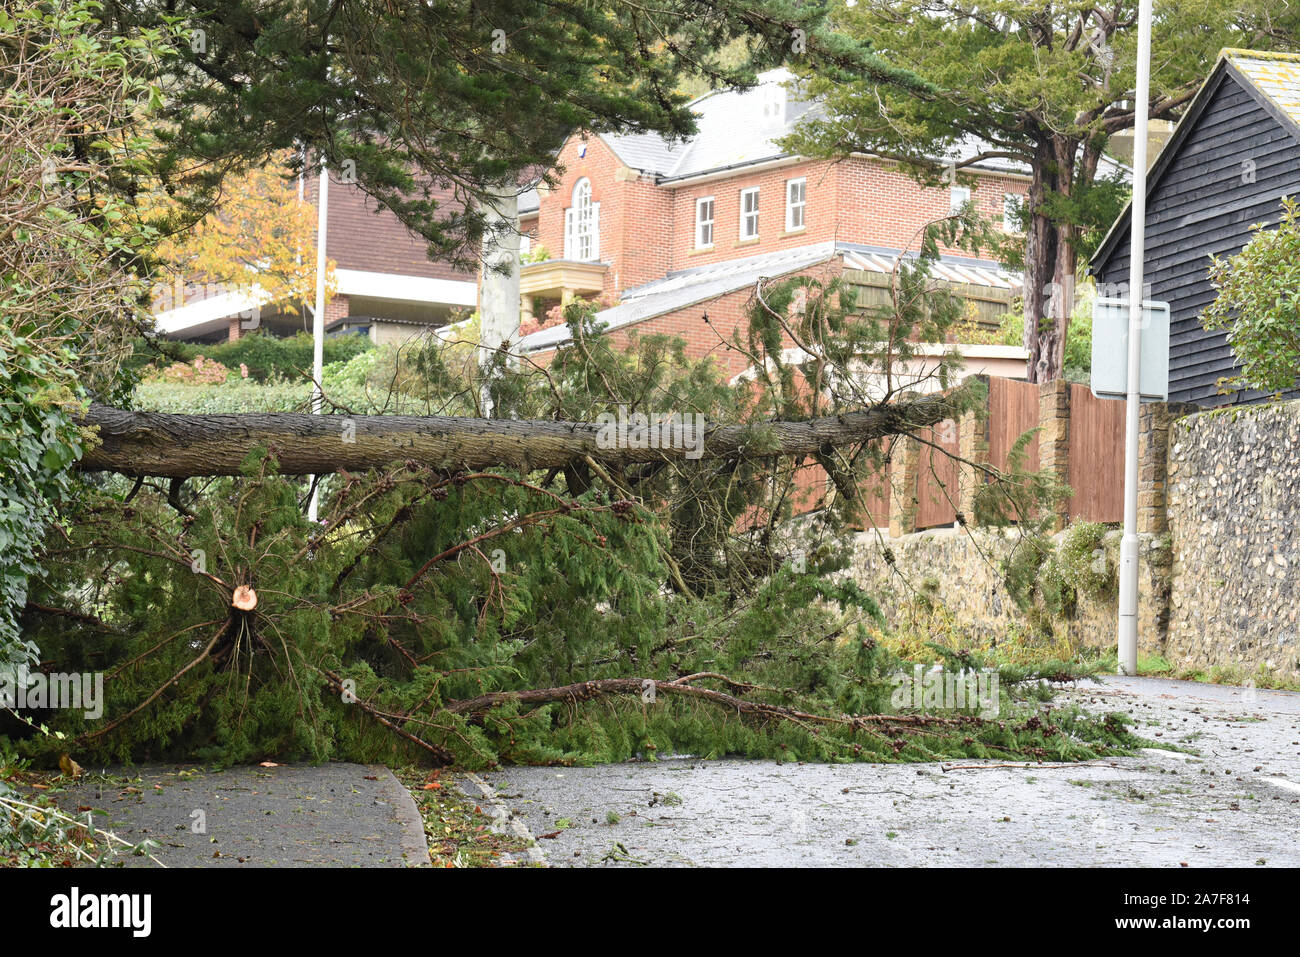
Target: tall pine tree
[[1043, 84]]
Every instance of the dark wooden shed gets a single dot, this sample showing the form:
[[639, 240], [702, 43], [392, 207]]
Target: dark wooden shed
[[1233, 157]]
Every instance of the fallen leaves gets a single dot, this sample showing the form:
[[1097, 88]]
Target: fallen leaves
[[69, 767]]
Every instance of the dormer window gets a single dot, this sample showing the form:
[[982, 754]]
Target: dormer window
[[704, 223], [582, 225], [774, 104]]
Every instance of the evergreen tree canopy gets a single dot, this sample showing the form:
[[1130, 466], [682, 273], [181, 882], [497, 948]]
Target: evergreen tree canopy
[[434, 104]]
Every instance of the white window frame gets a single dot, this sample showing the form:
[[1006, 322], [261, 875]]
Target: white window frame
[[1010, 215], [701, 223], [796, 209], [958, 197], [748, 217], [582, 225]]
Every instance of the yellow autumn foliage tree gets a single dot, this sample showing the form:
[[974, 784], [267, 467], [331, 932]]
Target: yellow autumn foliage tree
[[260, 240]]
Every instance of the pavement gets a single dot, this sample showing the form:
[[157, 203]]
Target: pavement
[[1221, 789], [332, 815]]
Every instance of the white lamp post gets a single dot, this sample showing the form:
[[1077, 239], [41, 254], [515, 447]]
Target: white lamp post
[[318, 317], [1128, 569]]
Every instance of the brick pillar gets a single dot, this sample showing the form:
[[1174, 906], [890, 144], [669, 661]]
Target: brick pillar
[[234, 328], [904, 462], [1154, 420], [338, 307], [973, 447], [1054, 438]]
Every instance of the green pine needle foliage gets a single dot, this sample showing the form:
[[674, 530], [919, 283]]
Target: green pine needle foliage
[[421, 590]]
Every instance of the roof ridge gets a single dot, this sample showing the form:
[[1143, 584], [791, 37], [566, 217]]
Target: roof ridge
[[1245, 53]]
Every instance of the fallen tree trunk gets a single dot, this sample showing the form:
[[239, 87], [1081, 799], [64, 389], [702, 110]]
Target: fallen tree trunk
[[181, 446]]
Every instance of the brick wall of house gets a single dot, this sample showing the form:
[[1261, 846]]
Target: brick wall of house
[[857, 200], [646, 230], [634, 214], [338, 307], [643, 251], [877, 200], [821, 214], [361, 235]]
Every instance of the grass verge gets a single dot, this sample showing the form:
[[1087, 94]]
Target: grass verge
[[459, 832]]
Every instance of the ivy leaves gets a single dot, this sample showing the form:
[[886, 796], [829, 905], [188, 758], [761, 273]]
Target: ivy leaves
[[38, 441]]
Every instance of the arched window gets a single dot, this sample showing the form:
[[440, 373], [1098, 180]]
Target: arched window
[[582, 225]]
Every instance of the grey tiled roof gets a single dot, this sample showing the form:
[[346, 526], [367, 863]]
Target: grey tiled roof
[[734, 127], [648, 152], [687, 287], [740, 128]]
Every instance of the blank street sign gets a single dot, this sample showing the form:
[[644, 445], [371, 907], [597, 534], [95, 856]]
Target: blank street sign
[[1110, 349]]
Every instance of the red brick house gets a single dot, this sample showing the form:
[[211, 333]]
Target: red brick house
[[672, 236]]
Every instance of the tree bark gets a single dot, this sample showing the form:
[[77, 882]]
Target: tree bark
[[1051, 260], [1061, 303], [1040, 256], [587, 690], [181, 446]]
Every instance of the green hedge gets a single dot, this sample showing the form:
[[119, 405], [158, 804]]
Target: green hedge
[[265, 356], [233, 396], [345, 384]]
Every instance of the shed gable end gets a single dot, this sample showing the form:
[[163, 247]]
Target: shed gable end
[[1228, 171]]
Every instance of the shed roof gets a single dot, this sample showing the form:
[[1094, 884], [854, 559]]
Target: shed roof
[[1276, 75]]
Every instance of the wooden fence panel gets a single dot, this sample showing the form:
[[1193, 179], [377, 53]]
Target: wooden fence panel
[[937, 493], [812, 486], [875, 494], [874, 490], [1013, 410], [1096, 472]]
